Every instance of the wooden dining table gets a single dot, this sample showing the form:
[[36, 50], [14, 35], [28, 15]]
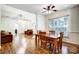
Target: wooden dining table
[[52, 39]]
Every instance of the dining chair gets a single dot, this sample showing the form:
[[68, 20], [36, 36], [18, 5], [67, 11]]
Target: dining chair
[[48, 42], [43, 41], [42, 33], [51, 32], [60, 41], [57, 43], [40, 36]]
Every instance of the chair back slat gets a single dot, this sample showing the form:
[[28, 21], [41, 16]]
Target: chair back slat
[[42, 33]]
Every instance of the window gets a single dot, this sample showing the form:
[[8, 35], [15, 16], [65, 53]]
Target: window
[[59, 25]]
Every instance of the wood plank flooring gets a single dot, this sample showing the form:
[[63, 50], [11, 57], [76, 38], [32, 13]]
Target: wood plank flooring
[[9, 49]]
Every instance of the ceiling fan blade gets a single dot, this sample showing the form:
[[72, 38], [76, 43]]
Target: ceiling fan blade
[[48, 8], [55, 10], [45, 8], [53, 6], [43, 11]]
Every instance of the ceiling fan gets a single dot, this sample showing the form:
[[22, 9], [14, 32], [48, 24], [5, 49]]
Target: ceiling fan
[[49, 8]]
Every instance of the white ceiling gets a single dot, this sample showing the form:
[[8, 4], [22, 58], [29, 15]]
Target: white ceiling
[[38, 8]]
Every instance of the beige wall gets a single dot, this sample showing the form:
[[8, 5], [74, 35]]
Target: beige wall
[[73, 23], [75, 19], [74, 33]]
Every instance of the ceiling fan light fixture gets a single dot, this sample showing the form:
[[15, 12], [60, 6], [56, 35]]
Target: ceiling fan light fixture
[[48, 12], [49, 9]]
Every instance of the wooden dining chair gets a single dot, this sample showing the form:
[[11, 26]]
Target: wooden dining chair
[[40, 36], [51, 32], [57, 43], [48, 42], [42, 33], [43, 41], [60, 41]]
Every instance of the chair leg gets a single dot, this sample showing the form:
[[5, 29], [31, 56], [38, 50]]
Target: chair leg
[[45, 45], [41, 44], [54, 50], [58, 48]]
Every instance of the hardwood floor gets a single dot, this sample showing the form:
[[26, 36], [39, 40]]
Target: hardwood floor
[[29, 47]]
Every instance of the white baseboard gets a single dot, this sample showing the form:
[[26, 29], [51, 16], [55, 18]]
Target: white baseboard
[[70, 42]]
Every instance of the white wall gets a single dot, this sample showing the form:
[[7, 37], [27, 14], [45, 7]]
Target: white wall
[[8, 23], [0, 17], [0, 26], [37, 22], [73, 23], [40, 22]]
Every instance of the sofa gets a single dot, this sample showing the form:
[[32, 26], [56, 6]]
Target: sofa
[[29, 32], [6, 37]]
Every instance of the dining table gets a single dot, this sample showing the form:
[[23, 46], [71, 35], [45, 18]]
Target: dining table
[[53, 38]]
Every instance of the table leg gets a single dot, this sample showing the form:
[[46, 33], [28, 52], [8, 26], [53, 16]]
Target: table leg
[[36, 41]]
